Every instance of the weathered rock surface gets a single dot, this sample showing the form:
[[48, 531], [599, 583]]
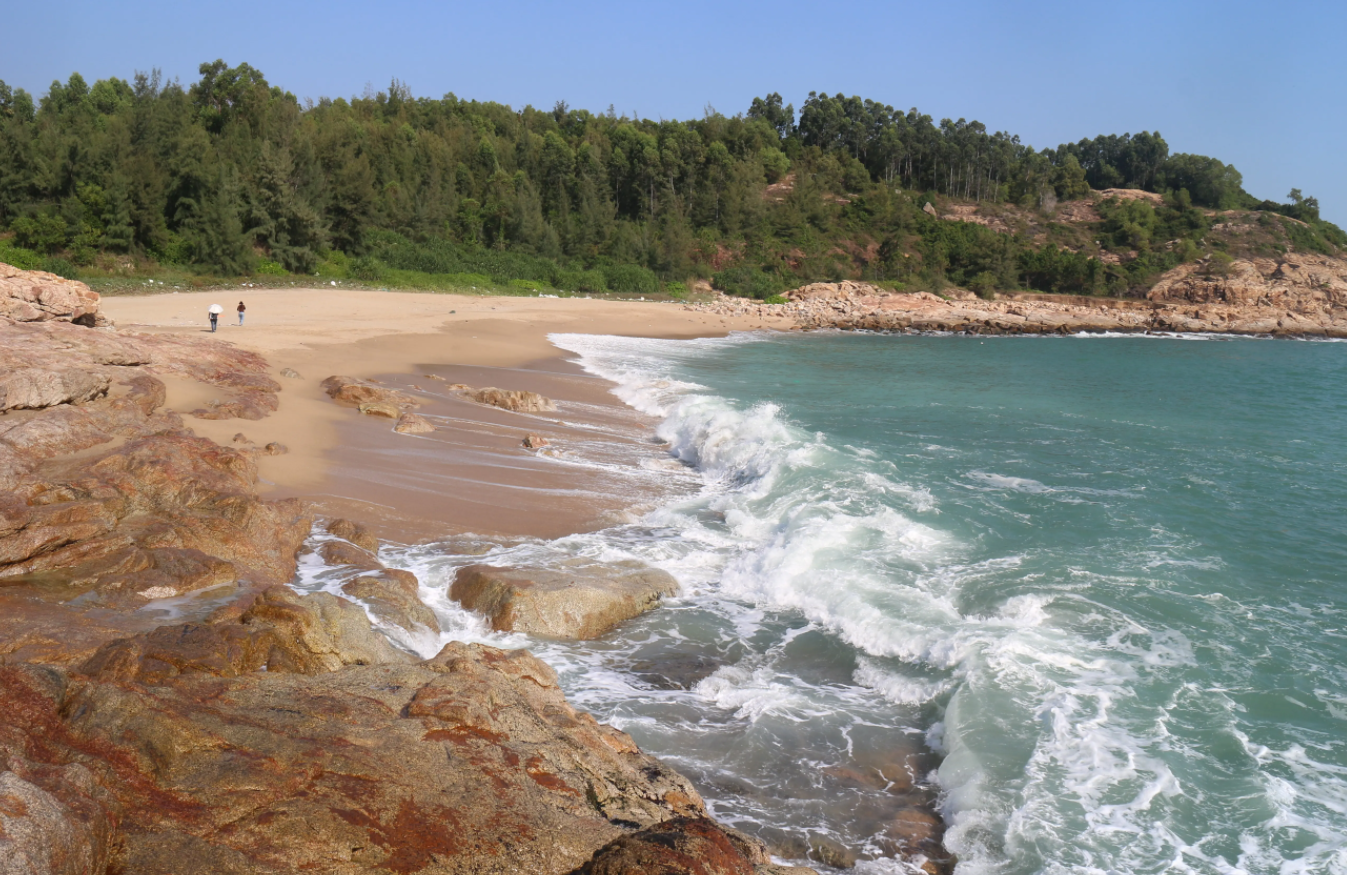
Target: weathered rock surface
[[34, 388], [535, 442], [568, 601], [469, 762], [413, 423], [36, 296], [278, 631], [518, 400]]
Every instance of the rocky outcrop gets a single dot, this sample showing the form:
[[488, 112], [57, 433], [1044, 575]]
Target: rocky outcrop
[[1305, 284], [572, 600], [36, 296], [468, 762], [1298, 296]]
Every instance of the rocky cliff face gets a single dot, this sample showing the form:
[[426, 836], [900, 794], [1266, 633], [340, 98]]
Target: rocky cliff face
[[171, 707]]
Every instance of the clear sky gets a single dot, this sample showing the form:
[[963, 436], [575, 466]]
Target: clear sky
[[1256, 84]]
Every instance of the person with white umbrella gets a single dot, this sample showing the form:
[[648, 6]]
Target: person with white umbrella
[[215, 310]]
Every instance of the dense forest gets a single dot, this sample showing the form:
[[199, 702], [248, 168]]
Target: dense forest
[[233, 177]]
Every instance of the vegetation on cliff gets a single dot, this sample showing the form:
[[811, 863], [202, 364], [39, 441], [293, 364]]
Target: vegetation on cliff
[[233, 176]]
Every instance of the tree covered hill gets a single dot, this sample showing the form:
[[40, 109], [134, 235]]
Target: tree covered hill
[[232, 176]]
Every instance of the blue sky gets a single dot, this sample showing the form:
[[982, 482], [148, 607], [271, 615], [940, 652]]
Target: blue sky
[[1257, 85]]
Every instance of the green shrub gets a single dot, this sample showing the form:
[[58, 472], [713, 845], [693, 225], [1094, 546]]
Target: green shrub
[[367, 268], [630, 278], [776, 299], [582, 281], [60, 267], [471, 280], [270, 268], [984, 285], [44, 233], [747, 282], [17, 256], [676, 290], [527, 285], [174, 250]]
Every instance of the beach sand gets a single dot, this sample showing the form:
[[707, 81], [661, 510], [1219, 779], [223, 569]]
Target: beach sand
[[472, 474]]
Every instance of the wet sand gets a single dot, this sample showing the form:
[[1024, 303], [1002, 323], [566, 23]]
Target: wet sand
[[472, 474]]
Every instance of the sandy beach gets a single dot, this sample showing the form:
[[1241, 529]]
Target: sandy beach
[[472, 474]]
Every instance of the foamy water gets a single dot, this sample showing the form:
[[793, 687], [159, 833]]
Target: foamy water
[[1104, 581]]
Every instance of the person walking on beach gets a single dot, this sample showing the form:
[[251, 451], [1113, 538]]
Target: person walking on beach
[[241, 309], [214, 320]]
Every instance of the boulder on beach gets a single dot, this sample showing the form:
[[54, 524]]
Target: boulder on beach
[[517, 400], [694, 845], [385, 409], [413, 423], [391, 595], [565, 601], [37, 296], [354, 532], [350, 392]]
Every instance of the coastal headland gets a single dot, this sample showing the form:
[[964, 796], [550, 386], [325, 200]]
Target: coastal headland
[[175, 706]]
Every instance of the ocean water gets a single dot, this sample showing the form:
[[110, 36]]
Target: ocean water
[[1086, 596]]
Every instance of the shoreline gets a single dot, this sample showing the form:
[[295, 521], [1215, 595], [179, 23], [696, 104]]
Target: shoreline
[[397, 338]]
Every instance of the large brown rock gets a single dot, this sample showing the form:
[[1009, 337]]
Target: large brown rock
[[468, 762], [354, 532], [681, 846], [568, 601], [36, 296], [391, 595]]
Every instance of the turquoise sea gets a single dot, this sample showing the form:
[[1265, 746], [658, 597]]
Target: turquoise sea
[[1091, 591]]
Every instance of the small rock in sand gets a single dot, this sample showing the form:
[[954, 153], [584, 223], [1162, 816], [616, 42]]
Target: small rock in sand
[[411, 423], [386, 409], [536, 441], [291, 373]]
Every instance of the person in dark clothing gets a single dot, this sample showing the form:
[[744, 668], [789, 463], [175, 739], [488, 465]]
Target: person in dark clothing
[[241, 309], [214, 320]]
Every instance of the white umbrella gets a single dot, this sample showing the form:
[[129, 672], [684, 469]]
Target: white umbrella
[[216, 308]]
